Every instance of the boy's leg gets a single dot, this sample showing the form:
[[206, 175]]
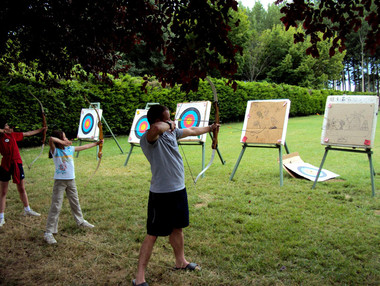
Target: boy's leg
[[3, 195], [176, 240], [144, 256]]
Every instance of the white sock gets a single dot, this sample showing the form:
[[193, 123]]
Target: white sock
[[1, 216], [27, 208]]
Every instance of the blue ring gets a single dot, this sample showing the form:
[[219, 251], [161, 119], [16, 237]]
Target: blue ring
[[302, 168]]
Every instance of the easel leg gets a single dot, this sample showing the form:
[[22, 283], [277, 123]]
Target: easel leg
[[114, 138], [369, 153], [219, 154], [286, 148], [281, 168], [320, 167], [80, 144], [203, 158], [129, 154], [238, 162]]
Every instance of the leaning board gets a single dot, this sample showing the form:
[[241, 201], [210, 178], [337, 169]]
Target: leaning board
[[350, 121], [265, 121]]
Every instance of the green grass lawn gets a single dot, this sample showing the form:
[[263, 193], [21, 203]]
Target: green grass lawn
[[249, 231]]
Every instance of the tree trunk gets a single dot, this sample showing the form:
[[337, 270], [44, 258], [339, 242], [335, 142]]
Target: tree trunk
[[368, 77], [348, 78]]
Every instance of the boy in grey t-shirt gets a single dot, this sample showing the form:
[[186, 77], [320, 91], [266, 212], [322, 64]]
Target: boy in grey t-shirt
[[168, 211]]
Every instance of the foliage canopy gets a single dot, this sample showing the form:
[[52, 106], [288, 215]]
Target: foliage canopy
[[56, 35], [333, 19]]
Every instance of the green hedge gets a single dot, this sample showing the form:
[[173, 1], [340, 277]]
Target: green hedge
[[120, 99]]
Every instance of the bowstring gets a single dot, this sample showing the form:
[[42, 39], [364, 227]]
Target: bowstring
[[188, 165]]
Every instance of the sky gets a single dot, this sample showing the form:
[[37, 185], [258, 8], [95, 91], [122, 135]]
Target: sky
[[251, 3]]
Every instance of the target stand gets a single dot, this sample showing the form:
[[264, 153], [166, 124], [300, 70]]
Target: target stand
[[265, 125], [349, 125], [277, 146], [369, 153], [195, 114], [88, 130]]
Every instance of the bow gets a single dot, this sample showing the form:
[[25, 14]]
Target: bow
[[100, 154], [44, 132], [215, 132]]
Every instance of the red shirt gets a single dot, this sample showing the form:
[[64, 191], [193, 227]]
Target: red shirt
[[9, 149]]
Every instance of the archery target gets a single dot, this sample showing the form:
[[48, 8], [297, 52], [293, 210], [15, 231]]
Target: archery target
[[309, 171], [350, 121], [139, 126], [88, 124], [193, 114], [265, 121], [189, 118], [142, 126]]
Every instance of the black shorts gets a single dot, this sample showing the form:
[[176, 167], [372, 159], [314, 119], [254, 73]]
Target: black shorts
[[6, 176], [166, 212]]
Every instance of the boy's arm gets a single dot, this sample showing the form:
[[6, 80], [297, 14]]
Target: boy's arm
[[195, 131], [157, 129], [88, 146], [34, 132]]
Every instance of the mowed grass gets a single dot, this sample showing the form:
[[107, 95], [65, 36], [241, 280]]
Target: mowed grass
[[249, 231]]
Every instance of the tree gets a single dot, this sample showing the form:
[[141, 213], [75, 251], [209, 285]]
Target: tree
[[54, 36], [290, 64], [333, 19]]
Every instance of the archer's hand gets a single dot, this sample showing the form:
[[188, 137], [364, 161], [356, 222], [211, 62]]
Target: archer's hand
[[172, 125], [214, 127], [100, 142]]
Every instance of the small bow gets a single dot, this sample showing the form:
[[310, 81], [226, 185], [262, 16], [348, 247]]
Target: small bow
[[44, 124]]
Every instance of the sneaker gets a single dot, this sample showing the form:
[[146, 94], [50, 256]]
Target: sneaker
[[2, 221], [49, 238], [31, 213], [86, 224]]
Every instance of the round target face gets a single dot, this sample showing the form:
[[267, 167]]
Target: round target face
[[189, 118], [87, 123], [308, 171], [142, 126]]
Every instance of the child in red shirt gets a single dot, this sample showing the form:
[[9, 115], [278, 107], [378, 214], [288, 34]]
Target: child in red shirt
[[11, 166]]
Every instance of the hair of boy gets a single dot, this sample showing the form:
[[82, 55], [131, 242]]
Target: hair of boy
[[156, 112]]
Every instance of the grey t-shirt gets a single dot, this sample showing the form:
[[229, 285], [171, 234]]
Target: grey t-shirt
[[165, 162]]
